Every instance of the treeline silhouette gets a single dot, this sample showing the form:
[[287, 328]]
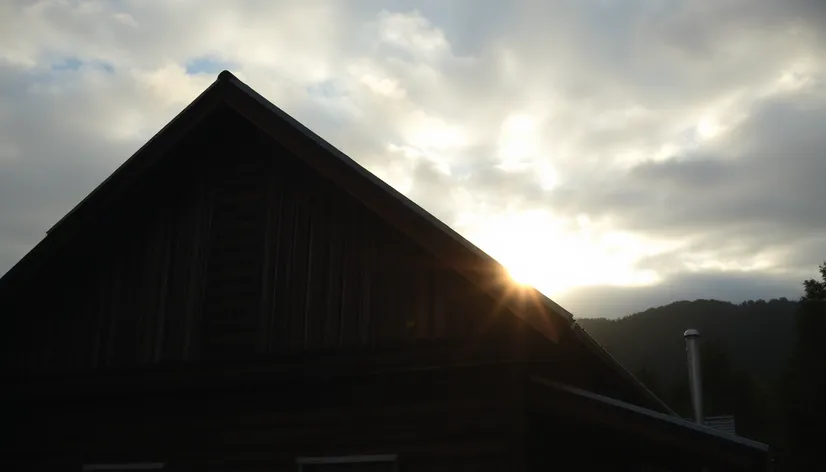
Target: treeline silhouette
[[757, 335], [763, 362]]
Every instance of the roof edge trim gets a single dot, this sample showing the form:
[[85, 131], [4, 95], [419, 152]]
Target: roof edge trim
[[675, 420], [597, 348]]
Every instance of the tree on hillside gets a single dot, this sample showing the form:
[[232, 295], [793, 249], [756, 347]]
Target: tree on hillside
[[726, 391], [805, 388], [815, 289], [758, 337]]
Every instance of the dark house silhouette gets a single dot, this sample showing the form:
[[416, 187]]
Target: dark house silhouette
[[241, 296]]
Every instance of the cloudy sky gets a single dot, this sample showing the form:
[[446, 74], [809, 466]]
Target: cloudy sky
[[616, 154]]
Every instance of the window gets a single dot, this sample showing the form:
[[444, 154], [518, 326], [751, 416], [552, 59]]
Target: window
[[123, 467], [377, 463]]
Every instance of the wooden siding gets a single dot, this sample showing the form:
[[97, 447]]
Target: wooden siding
[[233, 248], [465, 418]]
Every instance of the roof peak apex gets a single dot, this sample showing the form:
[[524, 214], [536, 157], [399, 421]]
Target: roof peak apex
[[226, 75]]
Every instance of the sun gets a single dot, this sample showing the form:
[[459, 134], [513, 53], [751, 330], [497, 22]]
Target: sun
[[523, 242], [542, 251], [518, 277], [521, 272]]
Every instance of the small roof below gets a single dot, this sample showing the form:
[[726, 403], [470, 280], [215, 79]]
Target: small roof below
[[644, 434], [724, 423], [654, 415]]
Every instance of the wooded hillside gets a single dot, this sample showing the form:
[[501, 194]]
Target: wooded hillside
[[757, 336], [763, 362]]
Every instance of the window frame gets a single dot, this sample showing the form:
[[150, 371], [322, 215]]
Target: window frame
[[122, 466], [355, 459]]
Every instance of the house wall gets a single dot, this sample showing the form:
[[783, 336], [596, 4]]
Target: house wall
[[461, 419], [585, 447], [233, 249]]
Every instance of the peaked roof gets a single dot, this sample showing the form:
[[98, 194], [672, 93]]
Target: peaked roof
[[542, 313]]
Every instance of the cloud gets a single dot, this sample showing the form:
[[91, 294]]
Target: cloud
[[660, 142], [757, 191]]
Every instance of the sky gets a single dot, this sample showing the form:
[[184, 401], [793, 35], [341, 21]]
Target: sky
[[615, 154]]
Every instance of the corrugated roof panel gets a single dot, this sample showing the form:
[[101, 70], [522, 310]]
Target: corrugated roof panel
[[723, 423]]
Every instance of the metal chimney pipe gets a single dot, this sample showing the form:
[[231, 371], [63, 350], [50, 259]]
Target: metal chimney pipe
[[695, 378]]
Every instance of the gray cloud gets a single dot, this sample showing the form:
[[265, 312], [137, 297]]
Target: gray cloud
[[769, 190]]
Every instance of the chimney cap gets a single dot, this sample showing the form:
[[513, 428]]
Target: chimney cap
[[691, 333]]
